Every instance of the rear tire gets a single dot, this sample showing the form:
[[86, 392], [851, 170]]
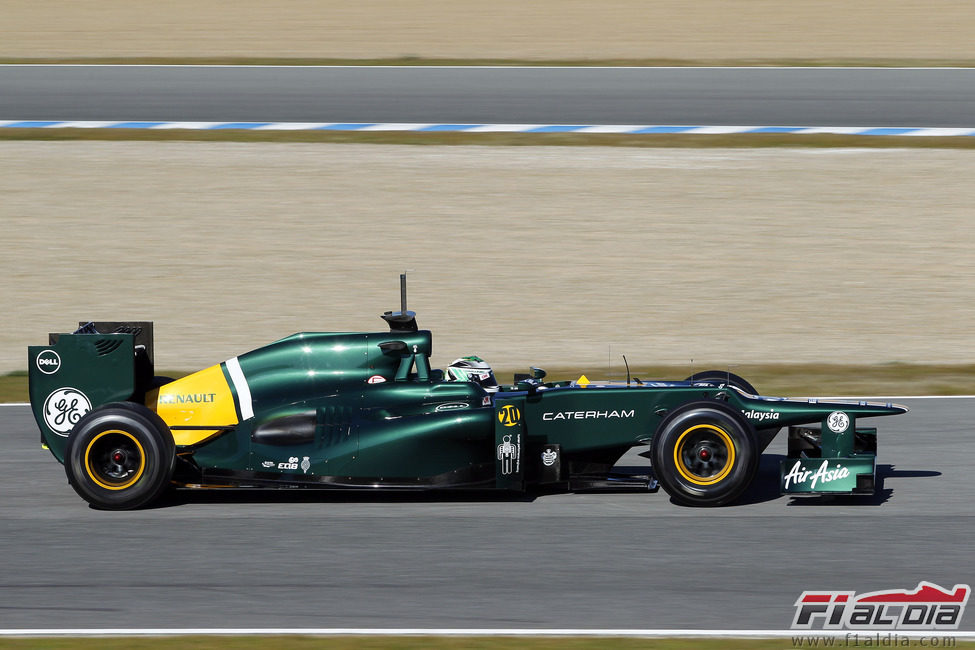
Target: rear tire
[[705, 454], [120, 456]]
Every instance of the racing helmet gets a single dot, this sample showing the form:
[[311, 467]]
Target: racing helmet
[[472, 369]]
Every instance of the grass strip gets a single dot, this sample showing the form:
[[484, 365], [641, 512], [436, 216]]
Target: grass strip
[[741, 140], [13, 387], [864, 62], [782, 379], [298, 642]]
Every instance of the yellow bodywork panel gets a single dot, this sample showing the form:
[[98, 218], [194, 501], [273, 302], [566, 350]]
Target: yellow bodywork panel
[[202, 399]]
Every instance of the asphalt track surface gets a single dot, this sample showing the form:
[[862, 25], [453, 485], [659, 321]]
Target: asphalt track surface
[[878, 97], [303, 559]]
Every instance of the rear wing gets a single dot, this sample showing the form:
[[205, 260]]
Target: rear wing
[[98, 363]]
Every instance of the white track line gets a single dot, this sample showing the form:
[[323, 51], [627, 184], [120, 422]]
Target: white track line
[[893, 397], [527, 632]]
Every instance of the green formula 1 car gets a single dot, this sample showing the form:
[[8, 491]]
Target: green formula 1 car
[[366, 411]]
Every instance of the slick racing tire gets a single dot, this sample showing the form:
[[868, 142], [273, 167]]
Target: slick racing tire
[[724, 378], [704, 454], [767, 434], [120, 456]]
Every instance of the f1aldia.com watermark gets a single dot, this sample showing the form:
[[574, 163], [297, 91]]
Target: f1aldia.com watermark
[[874, 640], [881, 619]]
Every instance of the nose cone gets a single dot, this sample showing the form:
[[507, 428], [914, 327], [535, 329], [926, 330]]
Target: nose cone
[[888, 408], [863, 409]]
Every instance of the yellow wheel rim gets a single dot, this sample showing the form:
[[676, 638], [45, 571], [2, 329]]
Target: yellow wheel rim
[[704, 454], [115, 459]]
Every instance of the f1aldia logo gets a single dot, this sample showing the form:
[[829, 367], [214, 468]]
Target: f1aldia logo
[[928, 607]]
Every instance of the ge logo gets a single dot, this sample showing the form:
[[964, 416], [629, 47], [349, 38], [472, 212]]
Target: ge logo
[[838, 422], [63, 408], [509, 415]]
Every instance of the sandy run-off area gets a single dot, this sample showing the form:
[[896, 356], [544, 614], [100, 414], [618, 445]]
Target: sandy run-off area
[[547, 255], [500, 29]]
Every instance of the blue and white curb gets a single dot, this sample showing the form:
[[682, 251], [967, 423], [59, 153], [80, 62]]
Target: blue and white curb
[[630, 129]]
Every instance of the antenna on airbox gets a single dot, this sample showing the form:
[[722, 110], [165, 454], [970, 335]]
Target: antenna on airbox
[[402, 320], [402, 293]]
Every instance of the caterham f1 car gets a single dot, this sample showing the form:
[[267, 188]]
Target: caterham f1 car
[[367, 411]]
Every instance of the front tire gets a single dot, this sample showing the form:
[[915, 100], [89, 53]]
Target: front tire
[[765, 435], [704, 454], [120, 457], [723, 377]]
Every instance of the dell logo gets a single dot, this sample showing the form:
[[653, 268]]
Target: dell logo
[[48, 362]]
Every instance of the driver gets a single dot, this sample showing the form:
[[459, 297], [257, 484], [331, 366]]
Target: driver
[[472, 369]]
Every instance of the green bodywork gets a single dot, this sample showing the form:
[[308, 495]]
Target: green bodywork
[[75, 373], [366, 410]]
